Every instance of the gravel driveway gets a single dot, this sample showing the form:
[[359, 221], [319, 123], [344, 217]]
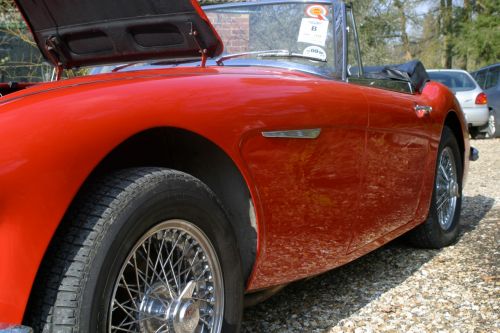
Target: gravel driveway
[[402, 289]]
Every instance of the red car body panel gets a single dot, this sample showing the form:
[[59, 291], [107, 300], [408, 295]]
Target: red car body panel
[[313, 199]]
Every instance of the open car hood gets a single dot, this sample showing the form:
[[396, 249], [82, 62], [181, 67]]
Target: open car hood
[[91, 32]]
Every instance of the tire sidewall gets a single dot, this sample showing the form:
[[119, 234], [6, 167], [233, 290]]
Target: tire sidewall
[[446, 237], [160, 200]]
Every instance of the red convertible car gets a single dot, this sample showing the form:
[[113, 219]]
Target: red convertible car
[[228, 152]]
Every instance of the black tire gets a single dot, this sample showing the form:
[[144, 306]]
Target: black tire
[[475, 133], [75, 286], [431, 233]]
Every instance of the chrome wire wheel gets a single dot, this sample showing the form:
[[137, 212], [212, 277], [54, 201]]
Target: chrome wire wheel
[[447, 188], [170, 282]]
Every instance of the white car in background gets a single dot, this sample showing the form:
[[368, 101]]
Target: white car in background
[[469, 94]]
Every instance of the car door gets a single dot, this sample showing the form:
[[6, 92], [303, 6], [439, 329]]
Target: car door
[[396, 151], [306, 163], [305, 155], [397, 146]]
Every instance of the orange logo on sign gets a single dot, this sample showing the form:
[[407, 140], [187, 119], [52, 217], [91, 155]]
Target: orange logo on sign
[[317, 11]]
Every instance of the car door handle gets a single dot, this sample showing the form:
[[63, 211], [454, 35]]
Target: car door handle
[[423, 110]]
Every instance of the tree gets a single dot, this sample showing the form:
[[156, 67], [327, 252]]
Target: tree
[[429, 44], [478, 41], [389, 30], [20, 59], [446, 16], [443, 34], [376, 31]]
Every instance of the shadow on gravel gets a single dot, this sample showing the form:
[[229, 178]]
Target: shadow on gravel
[[322, 302], [474, 209]]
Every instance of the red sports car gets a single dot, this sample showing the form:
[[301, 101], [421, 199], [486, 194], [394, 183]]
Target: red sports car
[[228, 152]]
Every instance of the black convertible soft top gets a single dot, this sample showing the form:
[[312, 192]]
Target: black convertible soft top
[[413, 72]]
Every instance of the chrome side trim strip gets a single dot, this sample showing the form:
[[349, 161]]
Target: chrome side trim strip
[[311, 133]]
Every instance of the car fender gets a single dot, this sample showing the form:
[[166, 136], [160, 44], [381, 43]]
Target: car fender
[[52, 139]]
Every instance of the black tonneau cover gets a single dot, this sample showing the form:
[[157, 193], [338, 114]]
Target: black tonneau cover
[[413, 72], [73, 33]]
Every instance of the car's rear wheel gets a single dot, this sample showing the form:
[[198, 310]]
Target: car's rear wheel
[[144, 250], [442, 225]]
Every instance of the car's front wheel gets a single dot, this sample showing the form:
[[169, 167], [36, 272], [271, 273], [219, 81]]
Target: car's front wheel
[[143, 250]]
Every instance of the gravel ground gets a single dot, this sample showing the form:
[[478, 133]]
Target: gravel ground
[[402, 289]]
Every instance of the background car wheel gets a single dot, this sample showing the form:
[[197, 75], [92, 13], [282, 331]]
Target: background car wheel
[[142, 250], [475, 133], [493, 129], [442, 225]]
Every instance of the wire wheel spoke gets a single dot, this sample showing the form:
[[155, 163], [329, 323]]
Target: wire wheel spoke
[[446, 191], [170, 282]]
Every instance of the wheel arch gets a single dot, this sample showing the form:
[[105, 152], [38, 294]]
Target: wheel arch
[[193, 154], [453, 122]]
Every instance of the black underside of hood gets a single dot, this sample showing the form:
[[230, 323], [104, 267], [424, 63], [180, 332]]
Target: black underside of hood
[[74, 33]]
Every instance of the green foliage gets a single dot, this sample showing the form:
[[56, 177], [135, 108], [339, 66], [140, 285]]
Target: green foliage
[[387, 30], [20, 59], [478, 37], [445, 33]]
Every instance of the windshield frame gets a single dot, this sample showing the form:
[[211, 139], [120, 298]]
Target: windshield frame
[[337, 29]]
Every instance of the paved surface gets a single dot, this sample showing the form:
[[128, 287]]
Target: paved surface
[[402, 289]]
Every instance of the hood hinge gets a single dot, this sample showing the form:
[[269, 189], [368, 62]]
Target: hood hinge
[[203, 51], [53, 48]]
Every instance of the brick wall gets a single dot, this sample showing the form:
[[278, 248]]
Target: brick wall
[[234, 29]]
